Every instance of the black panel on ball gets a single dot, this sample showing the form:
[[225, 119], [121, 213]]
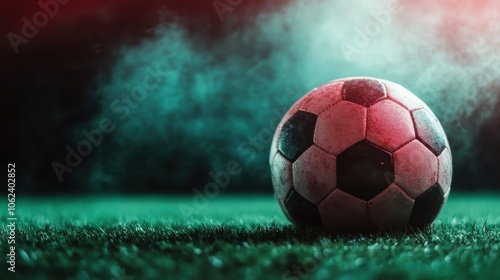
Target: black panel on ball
[[426, 207], [364, 170], [302, 211], [429, 131], [297, 135], [364, 92]]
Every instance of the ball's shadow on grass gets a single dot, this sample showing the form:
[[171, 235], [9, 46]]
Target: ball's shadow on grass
[[274, 234], [147, 235]]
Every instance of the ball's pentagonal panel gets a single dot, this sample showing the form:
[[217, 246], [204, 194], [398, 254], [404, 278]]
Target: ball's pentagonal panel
[[390, 209], [297, 134], [281, 176], [340, 126], [445, 170], [314, 174], [415, 168], [302, 211], [389, 125], [429, 130], [343, 212], [403, 96], [365, 92], [426, 207], [362, 170]]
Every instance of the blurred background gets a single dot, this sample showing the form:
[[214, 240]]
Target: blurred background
[[152, 96]]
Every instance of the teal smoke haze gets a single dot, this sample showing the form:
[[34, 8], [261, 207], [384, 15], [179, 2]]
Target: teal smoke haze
[[212, 95]]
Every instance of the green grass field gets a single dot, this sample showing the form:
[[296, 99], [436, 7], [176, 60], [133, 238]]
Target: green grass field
[[240, 237]]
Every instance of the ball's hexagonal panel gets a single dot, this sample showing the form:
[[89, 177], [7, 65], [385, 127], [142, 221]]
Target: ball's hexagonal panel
[[320, 98], [429, 130], [340, 126], [403, 96], [445, 170], [365, 92], [302, 211], [297, 134], [391, 209], [362, 170], [426, 207], [415, 168], [343, 212], [389, 125], [314, 174], [281, 175]]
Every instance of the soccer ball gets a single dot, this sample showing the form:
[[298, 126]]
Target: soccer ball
[[360, 154]]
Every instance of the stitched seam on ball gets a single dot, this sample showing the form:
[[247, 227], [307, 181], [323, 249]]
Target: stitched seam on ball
[[326, 196], [439, 167], [429, 147], [322, 200], [414, 123], [341, 98], [401, 103], [290, 170], [335, 183], [404, 192], [314, 144], [383, 97], [273, 158], [406, 143], [329, 106], [366, 123], [380, 100]]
